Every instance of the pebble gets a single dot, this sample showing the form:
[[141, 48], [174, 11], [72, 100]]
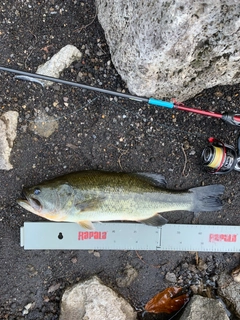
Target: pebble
[[56, 87], [171, 277], [236, 274], [218, 94], [27, 308], [74, 260], [54, 288], [96, 254], [185, 266], [192, 152], [186, 145], [202, 266]]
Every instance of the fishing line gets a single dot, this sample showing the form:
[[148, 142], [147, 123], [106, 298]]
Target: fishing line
[[160, 124], [164, 126], [65, 116], [89, 102], [231, 118], [222, 157], [216, 158]]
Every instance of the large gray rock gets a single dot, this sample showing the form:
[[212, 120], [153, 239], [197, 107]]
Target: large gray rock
[[173, 48], [229, 291], [92, 300], [8, 132], [200, 308]]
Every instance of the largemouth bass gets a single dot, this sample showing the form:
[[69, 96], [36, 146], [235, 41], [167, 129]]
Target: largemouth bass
[[87, 196]]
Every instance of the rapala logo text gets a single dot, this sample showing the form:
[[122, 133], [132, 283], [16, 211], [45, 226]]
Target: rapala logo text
[[86, 235], [213, 237]]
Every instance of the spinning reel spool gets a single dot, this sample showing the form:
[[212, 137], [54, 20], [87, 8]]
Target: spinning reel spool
[[220, 158]]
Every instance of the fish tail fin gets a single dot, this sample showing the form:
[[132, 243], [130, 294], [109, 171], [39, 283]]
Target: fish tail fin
[[207, 198]]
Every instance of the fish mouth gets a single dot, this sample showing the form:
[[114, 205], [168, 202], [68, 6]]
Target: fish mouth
[[28, 202]]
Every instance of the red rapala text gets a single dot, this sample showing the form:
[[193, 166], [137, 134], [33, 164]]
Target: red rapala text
[[97, 235], [220, 237]]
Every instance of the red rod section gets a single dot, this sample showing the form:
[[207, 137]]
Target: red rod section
[[199, 111], [236, 118]]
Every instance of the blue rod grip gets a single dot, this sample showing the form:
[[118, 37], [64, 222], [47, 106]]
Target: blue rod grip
[[161, 103]]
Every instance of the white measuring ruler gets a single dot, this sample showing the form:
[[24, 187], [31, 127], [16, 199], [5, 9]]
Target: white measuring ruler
[[130, 236]]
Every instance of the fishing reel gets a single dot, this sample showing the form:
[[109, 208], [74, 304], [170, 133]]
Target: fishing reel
[[221, 158]]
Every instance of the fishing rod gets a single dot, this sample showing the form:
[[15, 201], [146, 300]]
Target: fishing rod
[[228, 117]]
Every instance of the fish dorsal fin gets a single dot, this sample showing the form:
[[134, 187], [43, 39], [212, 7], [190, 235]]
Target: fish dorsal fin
[[155, 179], [157, 220], [86, 224]]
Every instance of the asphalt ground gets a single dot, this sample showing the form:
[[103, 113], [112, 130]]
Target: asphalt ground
[[100, 132]]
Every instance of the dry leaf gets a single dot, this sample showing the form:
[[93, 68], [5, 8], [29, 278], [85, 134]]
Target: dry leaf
[[167, 301]]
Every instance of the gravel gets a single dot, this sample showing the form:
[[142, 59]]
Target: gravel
[[97, 131]]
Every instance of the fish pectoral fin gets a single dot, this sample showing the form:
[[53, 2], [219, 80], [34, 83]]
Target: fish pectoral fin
[[88, 204], [86, 225], [156, 220]]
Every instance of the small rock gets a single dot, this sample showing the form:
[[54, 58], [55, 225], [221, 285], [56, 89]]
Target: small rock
[[192, 152], [44, 125], [171, 277], [27, 308], [236, 274], [186, 145], [194, 288], [54, 287], [202, 266], [204, 309], [92, 300], [8, 127], [55, 103], [185, 266], [192, 268], [228, 290], [74, 260], [218, 94], [96, 254], [60, 61]]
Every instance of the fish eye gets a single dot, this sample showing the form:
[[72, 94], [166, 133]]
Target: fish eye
[[37, 191]]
